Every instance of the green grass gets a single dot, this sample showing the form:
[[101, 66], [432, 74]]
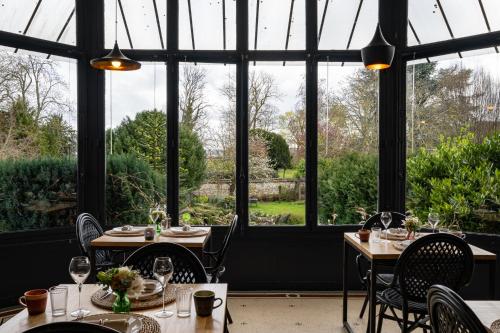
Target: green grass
[[287, 174], [295, 208]]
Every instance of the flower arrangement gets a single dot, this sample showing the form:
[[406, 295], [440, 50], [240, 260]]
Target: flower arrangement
[[411, 224], [122, 279]]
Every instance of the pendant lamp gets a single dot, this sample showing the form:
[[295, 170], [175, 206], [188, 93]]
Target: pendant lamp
[[379, 53], [115, 60]]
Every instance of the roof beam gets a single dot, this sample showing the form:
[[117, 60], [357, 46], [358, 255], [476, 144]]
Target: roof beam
[[446, 22], [64, 28], [224, 24], [158, 24], [416, 36], [353, 26], [486, 19], [30, 20], [323, 20], [290, 15], [125, 24], [256, 26], [191, 24]]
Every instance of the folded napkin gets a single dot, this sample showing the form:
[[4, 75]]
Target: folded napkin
[[116, 324]]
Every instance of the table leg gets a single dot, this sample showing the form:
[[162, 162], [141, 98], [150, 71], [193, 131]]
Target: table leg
[[373, 297], [93, 271], [492, 271], [344, 282]]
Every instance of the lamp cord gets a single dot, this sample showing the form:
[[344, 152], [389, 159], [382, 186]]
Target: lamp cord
[[116, 21]]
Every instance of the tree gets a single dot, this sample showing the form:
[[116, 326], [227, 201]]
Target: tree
[[56, 137], [277, 148], [145, 137], [192, 102]]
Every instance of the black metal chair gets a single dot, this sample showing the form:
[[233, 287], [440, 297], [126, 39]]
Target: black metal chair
[[383, 280], [71, 327], [434, 259], [187, 267], [450, 314], [88, 229], [219, 256]]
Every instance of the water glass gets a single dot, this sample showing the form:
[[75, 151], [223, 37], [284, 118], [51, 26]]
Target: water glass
[[376, 232], [183, 296], [58, 300]]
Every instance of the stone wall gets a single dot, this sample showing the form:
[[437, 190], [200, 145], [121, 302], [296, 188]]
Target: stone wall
[[270, 189]]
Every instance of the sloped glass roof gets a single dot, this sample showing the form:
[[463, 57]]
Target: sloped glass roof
[[52, 20]]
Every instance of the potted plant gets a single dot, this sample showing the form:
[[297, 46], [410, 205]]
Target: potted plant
[[124, 282]]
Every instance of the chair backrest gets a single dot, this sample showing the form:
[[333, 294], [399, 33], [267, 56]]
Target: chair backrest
[[187, 267], [433, 259], [450, 314], [374, 220], [71, 327], [87, 229], [221, 255]]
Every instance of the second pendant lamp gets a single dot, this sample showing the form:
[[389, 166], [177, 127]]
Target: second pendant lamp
[[115, 60], [379, 53]]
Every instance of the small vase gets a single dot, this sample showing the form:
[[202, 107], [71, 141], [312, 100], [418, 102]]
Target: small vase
[[158, 229], [410, 235], [121, 303]]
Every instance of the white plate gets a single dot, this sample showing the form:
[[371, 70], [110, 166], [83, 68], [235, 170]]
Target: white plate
[[131, 231], [134, 323], [402, 245], [147, 294]]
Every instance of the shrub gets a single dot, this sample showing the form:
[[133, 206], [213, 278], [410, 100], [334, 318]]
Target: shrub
[[277, 148], [458, 179], [344, 183], [41, 193]]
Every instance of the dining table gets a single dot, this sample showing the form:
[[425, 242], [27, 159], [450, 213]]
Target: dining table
[[383, 254], [486, 311], [192, 324], [129, 243]]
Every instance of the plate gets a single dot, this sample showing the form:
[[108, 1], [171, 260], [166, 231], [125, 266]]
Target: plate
[[402, 244], [177, 231], [124, 323], [149, 292], [132, 230]]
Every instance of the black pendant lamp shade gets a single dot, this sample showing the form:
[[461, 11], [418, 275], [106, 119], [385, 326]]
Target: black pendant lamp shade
[[115, 61], [379, 53]]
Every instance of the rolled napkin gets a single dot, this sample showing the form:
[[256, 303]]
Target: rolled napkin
[[149, 286], [126, 228], [116, 324]]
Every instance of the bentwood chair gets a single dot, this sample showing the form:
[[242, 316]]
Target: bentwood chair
[[71, 327], [187, 267], [383, 280], [450, 314], [88, 229], [219, 257], [433, 259]]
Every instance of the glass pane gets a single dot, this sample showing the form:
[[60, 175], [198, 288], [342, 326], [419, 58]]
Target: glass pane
[[273, 24], [38, 133], [277, 144], [367, 23], [141, 21], [492, 9], [207, 18], [347, 143], [135, 143], [49, 19], [453, 137], [465, 17], [207, 136], [427, 21]]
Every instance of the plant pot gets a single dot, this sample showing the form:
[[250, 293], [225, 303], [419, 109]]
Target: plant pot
[[121, 303]]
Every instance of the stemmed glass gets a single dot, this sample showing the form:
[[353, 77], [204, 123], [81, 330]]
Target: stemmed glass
[[386, 219], [163, 269], [433, 219], [79, 269]]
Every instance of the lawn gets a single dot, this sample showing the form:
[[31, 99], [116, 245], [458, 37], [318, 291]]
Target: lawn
[[294, 208], [287, 174]]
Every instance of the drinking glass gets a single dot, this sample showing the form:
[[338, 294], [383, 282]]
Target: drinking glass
[[386, 219], [163, 269], [183, 297], [376, 231], [433, 219], [79, 269], [58, 300]]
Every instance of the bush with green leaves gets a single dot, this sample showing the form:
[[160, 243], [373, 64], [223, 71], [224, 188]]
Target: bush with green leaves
[[460, 180], [345, 183], [277, 148], [41, 193]]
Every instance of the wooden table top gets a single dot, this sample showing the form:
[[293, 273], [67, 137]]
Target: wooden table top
[[106, 241], [386, 251], [486, 311], [193, 324]]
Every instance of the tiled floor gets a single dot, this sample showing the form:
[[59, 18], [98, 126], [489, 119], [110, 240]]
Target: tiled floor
[[291, 315]]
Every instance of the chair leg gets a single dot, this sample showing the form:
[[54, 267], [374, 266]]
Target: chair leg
[[405, 320], [228, 316], [381, 314], [363, 308]]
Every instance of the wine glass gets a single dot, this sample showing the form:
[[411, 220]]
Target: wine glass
[[433, 219], [79, 269], [163, 269], [386, 219]]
